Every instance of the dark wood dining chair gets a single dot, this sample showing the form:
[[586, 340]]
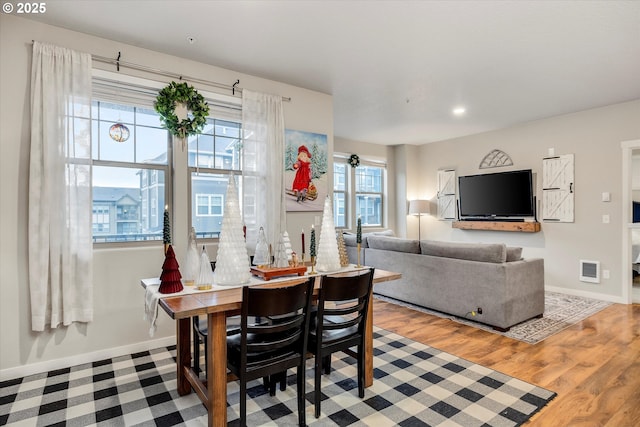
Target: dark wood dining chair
[[339, 325], [267, 349]]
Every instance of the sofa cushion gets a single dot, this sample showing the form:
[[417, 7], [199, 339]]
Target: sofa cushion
[[514, 254], [389, 233], [350, 238], [394, 244], [483, 252]]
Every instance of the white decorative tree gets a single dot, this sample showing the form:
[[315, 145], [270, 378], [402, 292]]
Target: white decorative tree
[[191, 260], [232, 262], [204, 280], [287, 245], [261, 254], [328, 256], [281, 259]]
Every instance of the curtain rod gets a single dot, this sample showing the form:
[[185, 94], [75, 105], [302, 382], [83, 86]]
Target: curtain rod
[[118, 63]]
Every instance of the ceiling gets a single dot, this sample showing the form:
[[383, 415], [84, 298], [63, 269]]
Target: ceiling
[[396, 69]]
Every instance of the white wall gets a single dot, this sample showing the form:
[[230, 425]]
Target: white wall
[[594, 137], [118, 297]]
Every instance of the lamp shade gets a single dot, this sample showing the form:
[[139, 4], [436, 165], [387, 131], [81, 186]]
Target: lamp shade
[[419, 207]]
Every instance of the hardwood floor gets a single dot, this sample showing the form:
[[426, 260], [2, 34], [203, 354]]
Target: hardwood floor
[[594, 366]]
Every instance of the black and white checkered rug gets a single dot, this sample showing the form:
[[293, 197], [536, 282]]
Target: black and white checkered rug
[[415, 385]]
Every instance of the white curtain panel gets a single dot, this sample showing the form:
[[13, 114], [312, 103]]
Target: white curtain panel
[[60, 246], [263, 166]]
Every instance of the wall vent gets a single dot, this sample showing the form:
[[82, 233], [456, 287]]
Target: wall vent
[[589, 271]]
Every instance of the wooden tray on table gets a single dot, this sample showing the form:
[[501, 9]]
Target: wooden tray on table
[[267, 273]]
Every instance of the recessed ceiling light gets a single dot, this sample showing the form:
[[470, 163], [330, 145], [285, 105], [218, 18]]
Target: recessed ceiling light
[[458, 111]]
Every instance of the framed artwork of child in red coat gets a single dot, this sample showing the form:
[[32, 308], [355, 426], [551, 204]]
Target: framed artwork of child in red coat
[[306, 167]]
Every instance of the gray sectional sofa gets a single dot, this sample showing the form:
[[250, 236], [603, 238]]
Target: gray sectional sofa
[[457, 278]]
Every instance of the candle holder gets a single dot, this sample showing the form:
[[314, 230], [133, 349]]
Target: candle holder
[[359, 245], [302, 259], [313, 265]]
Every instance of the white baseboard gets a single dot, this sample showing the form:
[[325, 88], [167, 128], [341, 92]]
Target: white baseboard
[[585, 294], [79, 359]]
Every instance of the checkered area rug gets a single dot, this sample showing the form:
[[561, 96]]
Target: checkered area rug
[[415, 385], [560, 312]]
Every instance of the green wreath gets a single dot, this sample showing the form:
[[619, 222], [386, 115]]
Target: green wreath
[[354, 161], [165, 105]]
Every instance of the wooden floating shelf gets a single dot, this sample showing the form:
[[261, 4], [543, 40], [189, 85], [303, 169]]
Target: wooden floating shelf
[[525, 227]]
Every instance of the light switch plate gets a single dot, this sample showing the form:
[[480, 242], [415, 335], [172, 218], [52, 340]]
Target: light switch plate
[[606, 196]]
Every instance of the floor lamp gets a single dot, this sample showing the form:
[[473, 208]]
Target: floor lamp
[[419, 208]]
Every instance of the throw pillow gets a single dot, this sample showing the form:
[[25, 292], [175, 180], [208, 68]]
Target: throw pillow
[[514, 254], [482, 252], [394, 244]]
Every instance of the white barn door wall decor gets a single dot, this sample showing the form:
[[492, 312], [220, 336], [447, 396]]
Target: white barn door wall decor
[[558, 188], [446, 194]]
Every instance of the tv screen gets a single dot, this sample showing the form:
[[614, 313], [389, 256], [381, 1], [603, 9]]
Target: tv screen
[[496, 195]]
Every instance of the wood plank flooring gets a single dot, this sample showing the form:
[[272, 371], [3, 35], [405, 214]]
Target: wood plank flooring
[[594, 366]]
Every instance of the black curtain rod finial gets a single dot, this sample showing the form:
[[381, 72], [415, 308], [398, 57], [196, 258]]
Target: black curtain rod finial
[[233, 88]]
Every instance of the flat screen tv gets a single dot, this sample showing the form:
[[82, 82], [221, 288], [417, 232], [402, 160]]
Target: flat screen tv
[[504, 195]]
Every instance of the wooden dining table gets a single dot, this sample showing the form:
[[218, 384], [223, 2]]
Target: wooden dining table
[[217, 305]]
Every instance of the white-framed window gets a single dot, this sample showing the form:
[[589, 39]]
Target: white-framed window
[[213, 156], [133, 178], [130, 152], [358, 192], [369, 192]]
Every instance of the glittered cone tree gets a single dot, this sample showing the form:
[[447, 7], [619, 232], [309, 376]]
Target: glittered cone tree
[[170, 278], [287, 245], [232, 261], [191, 265], [328, 256], [342, 249], [281, 259], [261, 254], [204, 281]]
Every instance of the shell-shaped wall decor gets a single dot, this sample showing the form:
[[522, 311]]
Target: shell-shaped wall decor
[[495, 159]]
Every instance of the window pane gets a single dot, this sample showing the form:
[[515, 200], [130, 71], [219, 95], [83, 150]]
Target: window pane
[[147, 117], [114, 150], [116, 113], [128, 204], [339, 176], [339, 212], [369, 208], [207, 201], [226, 128], [218, 147], [369, 179], [151, 145]]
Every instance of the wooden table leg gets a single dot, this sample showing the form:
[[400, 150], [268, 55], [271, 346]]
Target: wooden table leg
[[183, 354], [368, 346], [217, 369]]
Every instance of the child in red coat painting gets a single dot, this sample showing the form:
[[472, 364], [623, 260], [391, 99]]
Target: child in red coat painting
[[303, 174]]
